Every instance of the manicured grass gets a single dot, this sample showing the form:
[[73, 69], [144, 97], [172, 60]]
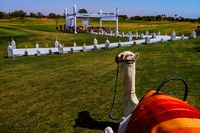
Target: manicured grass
[[163, 27], [73, 92]]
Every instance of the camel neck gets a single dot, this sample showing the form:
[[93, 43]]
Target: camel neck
[[128, 72], [128, 79]]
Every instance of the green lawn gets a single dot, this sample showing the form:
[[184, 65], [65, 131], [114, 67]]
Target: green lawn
[[73, 92]]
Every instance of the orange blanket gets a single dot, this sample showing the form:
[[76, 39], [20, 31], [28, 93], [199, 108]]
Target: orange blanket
[[159, 113]]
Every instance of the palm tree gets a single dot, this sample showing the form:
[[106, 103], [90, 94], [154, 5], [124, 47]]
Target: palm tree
[[175, 16]]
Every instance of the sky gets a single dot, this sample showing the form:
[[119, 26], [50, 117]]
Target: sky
[[184, 8]]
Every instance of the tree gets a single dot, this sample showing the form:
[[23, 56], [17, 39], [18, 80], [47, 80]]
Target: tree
[[32, 14], [170, 18], [39, 15], [21, 13], [82, 11], [164, 17], [123, 17], [181, 19], [136, 18], [198, 19], [159, 17], [175, 17], [3, 15], [52, 15]]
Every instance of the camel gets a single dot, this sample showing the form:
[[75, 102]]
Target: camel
[[127, 62], [155, 112]]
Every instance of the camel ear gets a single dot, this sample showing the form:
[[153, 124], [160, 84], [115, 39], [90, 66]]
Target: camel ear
[[136, 56]]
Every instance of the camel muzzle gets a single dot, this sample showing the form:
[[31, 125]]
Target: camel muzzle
[[121, 60]]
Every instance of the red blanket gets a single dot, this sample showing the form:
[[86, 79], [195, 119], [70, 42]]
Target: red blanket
[[159, 113]]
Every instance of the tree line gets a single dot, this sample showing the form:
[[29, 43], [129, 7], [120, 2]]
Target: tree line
[[162, 17], [22, 14]]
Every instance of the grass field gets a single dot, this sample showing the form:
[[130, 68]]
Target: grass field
[[73, 92]]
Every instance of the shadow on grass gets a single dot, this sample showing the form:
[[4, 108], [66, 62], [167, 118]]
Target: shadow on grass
[[197, 49], [84, 120]]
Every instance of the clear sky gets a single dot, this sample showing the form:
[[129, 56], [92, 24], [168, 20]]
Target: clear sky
[[184, 8]]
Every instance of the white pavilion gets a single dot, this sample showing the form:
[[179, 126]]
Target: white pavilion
[[70, 19]]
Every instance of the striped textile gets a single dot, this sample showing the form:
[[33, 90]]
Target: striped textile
[[160, 113]]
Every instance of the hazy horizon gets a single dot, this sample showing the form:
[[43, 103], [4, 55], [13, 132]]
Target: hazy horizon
[[184, 8]]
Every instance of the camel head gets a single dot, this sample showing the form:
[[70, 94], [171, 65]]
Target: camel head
[[127, 57], [127, 61]]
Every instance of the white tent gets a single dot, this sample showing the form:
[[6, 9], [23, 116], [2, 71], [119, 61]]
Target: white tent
[[71, 18]]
